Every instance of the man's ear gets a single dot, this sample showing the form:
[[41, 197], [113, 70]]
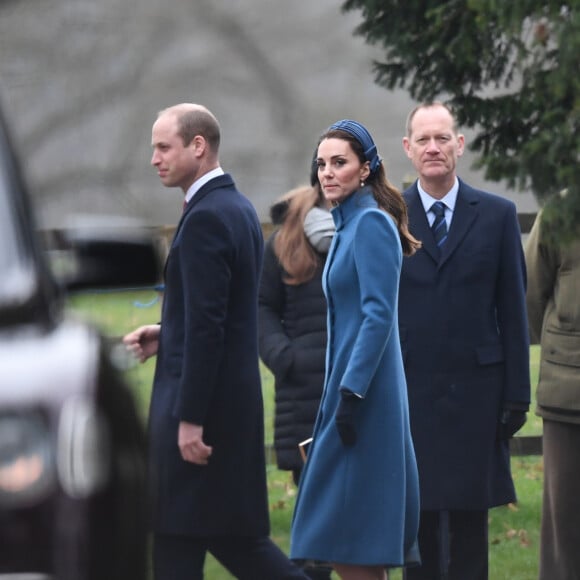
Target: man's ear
[[198, 145], [461, 144]]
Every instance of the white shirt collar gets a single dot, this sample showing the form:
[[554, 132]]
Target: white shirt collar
[[448, 199], [199, 183]]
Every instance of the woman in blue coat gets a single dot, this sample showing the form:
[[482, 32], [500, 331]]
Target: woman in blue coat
[[358, 501]]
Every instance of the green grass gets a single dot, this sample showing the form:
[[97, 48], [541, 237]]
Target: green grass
[[514, 529]]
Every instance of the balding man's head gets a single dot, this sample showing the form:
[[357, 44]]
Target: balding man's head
[[192, 120]]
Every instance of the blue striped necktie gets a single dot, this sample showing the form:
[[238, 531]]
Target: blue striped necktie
[[439, 226]]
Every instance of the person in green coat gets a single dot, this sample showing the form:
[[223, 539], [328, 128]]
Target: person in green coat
[[553, 270], [358, 500]]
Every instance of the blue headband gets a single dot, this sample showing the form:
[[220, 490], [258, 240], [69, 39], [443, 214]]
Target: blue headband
[[363, 137]]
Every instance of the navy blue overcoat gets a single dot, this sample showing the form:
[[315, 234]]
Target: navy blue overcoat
[[207, 371], [465, 347], [360, 504]]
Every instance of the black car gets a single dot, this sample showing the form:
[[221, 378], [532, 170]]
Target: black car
[[72, 448]]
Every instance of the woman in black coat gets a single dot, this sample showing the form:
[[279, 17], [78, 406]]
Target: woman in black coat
[[292, 316]]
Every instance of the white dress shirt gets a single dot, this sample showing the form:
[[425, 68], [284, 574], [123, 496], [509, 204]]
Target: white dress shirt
[[448, 200], [197, 184]]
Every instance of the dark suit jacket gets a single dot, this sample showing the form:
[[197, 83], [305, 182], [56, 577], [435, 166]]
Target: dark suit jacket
[[465, 345], [207, 371]]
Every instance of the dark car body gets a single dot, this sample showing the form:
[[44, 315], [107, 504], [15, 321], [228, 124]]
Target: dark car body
[[72, 448]]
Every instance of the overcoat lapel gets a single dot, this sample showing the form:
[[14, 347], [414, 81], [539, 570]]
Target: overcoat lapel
[[419, 225], [221, 181], [215, 183], [464, 215]]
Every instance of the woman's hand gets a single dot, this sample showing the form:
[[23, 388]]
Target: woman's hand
[[344, 417]]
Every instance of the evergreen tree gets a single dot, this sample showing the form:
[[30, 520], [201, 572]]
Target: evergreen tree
[[509, 68]]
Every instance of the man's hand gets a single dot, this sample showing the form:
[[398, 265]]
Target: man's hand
[[510, 422], [143, 342], [191, 445]]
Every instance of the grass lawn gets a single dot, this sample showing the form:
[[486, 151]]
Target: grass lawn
[[514, 529]]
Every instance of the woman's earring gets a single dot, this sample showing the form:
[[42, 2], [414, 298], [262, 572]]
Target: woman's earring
[[362, 183]]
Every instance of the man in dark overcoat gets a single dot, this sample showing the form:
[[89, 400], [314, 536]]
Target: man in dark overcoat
[[206, 416], [465, 345]]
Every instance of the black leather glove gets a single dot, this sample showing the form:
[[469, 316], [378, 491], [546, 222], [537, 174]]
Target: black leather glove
[[344, 418], [510, 422]]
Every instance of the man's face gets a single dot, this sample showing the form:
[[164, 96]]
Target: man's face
[[176, 164], [433, 146]]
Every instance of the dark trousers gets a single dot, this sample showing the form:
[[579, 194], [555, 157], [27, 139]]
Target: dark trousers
[[246, 558], [560, 530], [453, 546]]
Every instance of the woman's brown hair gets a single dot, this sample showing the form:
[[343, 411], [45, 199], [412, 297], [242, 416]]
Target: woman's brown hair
[[291, 246], [387, 196]]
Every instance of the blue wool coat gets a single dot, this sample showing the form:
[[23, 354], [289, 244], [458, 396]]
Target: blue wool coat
[[359, 504]]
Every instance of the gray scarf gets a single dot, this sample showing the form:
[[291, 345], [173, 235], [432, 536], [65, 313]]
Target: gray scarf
[[319, 228]]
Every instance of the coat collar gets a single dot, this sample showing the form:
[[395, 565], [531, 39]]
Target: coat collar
[[219, 182], [224, 180], [343, 212], [466, 211]]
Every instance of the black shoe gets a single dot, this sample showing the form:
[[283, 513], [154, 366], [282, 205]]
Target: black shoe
[[318, 572]]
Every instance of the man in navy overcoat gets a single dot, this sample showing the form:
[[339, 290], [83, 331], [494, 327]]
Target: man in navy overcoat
[[465, 345], [206, 417]]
